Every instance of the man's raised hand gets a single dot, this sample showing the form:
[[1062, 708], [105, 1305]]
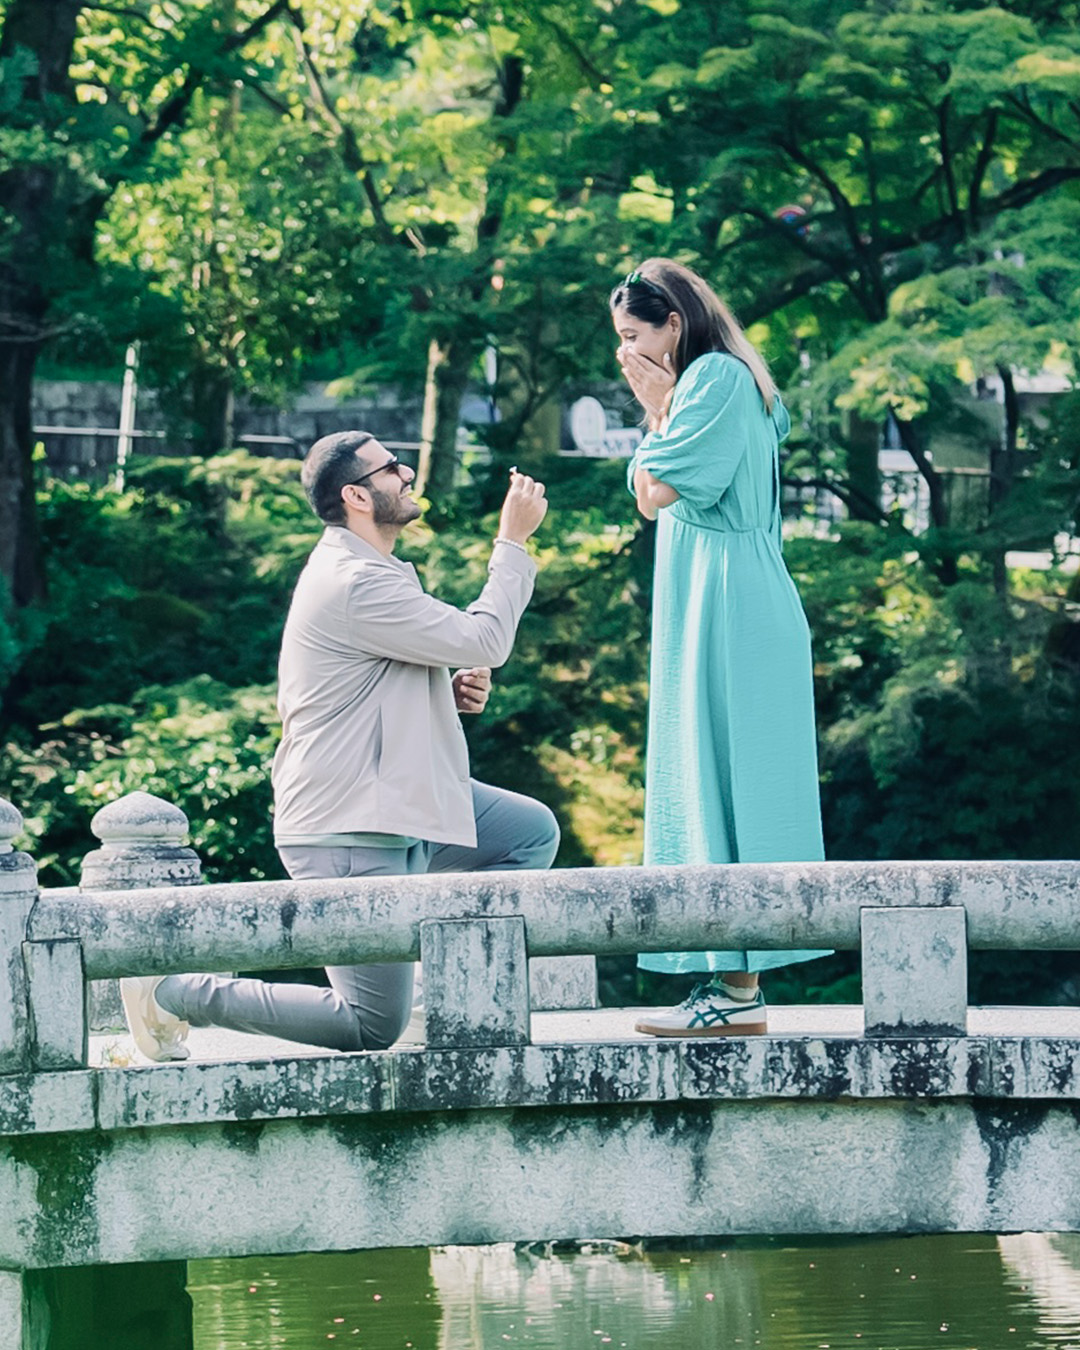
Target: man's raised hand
[[524, 508]]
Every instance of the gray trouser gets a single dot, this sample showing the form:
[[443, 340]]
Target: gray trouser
[[367, 1006]]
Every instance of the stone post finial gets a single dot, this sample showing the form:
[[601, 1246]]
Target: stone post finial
[[139, 818], [18, 892], [11, 822], [141, 845], [18, 871]]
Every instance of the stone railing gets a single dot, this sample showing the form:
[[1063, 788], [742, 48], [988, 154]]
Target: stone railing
[[488, 941]]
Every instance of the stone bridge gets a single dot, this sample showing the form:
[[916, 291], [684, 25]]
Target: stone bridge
[[529, 1113]]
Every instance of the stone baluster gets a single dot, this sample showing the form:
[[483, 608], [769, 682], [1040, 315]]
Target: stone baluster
[[557, 982], [56, 983], [16, 1319], [476, 982], [142, 845], [914, 970], [18, 891]]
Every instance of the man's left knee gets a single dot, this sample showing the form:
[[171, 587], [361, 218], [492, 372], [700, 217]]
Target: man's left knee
[[543, 838]]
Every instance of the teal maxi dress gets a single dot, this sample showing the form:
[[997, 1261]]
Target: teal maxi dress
[[731, 764]]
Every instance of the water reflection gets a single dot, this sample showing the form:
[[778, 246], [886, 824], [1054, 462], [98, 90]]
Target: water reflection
[[949, 1292], [369, 1299], [1046, 1268], [602, 1294]]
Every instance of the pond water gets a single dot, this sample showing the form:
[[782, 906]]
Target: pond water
[[955, 1292]]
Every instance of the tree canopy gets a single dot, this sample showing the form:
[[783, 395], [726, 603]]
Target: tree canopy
[[887, 190]]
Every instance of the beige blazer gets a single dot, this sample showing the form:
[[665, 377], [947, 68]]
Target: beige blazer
[[371, 737]]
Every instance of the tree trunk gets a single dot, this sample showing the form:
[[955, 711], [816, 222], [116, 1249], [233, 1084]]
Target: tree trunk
[[1063, 639], [946, 567], [20, 556], [448, 368], [213, 406], [863, 444], [450, 361], [47, 29], [1003, 470], [49, 209], [33, 202]]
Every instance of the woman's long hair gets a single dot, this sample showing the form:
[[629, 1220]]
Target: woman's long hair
[[660, 287]]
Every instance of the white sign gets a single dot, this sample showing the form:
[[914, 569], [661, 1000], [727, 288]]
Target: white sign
[[588, 424], [592, 436]]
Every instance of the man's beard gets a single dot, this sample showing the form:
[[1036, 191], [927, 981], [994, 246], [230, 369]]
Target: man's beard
[[393, 508]]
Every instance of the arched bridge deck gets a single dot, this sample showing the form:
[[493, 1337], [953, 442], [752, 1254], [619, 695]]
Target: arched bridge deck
[[911, 1112]]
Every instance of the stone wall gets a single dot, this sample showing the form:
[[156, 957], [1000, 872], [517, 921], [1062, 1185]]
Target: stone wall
[[346, 1176]]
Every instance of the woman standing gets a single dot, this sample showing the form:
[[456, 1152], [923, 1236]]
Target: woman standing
[[731, 769]]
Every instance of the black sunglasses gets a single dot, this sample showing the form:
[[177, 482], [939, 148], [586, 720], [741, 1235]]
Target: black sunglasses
[[392, 463]]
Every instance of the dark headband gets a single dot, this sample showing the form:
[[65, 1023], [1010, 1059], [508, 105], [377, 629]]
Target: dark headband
[[636, 279]]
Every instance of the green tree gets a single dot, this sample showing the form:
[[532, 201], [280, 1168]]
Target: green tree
[[84, 104], [236, 260], [483, 197], [391, 162], [917, 141]]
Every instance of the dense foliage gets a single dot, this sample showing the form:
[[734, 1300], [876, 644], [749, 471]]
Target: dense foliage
[[886, 188]]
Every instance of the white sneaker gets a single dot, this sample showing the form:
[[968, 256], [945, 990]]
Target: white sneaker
[[159, 1034], [708, 1012]]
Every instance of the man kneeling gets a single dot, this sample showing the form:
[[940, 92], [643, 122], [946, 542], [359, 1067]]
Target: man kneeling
[[372, 774]]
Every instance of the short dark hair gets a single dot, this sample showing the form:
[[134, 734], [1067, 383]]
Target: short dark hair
[[329, 466]]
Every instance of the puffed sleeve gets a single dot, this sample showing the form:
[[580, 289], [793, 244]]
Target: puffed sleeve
[[699, 450], [781, 420]]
